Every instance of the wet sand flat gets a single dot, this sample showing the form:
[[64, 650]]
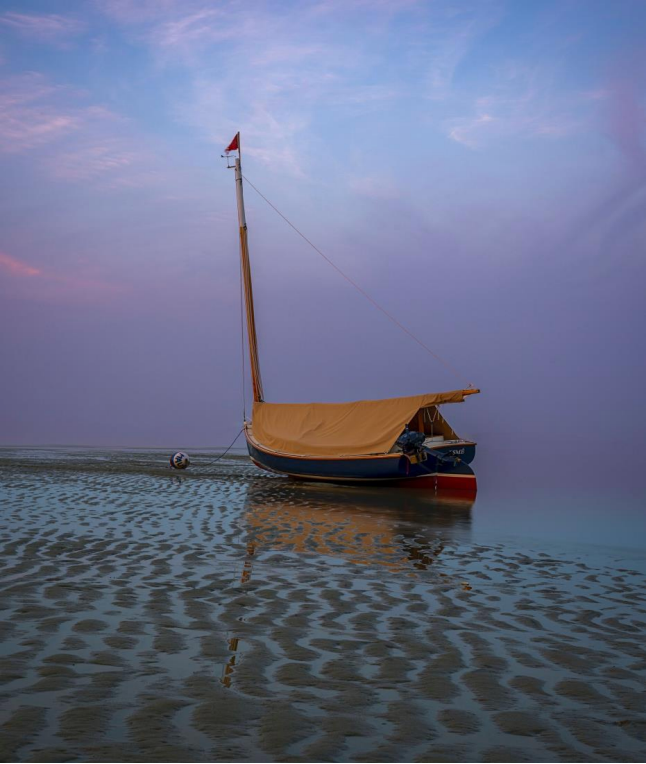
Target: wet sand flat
[[227, 615]]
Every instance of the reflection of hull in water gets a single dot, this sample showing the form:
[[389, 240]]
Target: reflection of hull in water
[[362, 526], [384, 469]]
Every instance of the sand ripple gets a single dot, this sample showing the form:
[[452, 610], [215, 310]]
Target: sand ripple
[[228, 616]]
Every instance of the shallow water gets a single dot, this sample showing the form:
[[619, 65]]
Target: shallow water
[[226, 614]]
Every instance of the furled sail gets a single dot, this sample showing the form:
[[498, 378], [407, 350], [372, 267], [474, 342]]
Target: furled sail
[[340, 429]]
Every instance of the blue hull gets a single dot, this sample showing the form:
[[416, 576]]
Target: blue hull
[[388, 468]]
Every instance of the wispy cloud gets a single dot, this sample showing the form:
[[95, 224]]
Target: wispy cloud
[[106, 162], [90, 161], [16, 267], [142, 11], [73, 141], [192, 29], [49, 27], [617, 216], [278, 69], [468, 131], [28, 116], [452, 30], [521, 104]]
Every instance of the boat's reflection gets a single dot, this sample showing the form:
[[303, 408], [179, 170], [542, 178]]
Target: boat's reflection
[[394, 527], [401, 529]]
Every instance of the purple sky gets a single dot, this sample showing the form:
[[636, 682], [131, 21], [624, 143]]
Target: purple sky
[[478, 167]]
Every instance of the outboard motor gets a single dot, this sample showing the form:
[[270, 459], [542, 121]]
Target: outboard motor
[[412, 444], [410, 441]]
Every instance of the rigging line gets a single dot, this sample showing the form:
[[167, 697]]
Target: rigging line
[[357, 287]]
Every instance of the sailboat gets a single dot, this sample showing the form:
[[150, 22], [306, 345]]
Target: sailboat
[[393, 441]]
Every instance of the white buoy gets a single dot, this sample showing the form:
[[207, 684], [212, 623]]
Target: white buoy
[[180, 460]]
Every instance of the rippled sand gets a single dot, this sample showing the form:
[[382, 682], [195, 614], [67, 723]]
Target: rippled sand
[[228, 615]]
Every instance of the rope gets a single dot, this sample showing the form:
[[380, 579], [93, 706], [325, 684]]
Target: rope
[[357, 287], [225, 452]]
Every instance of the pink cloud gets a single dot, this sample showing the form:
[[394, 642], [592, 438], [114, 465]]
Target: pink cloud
[[46, 27], [16, 267], [45, 285]]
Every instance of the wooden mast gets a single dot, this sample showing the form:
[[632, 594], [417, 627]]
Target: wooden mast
[[256, 379]]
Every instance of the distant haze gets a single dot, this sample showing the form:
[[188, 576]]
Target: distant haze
[[479, 168]]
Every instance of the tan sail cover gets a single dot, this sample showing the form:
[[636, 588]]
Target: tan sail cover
[[340, 429]]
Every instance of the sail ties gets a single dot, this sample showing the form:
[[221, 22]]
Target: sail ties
[[256, 379]]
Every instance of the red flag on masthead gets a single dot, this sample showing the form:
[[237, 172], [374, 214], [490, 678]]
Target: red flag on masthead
[[234, 145]]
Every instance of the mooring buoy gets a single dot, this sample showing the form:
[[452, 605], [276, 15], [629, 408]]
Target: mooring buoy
[[179, 461]]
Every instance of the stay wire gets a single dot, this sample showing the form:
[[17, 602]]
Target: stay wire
[[358, 288]]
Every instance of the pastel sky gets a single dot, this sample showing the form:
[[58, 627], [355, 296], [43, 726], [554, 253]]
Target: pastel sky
[[478, 167]]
